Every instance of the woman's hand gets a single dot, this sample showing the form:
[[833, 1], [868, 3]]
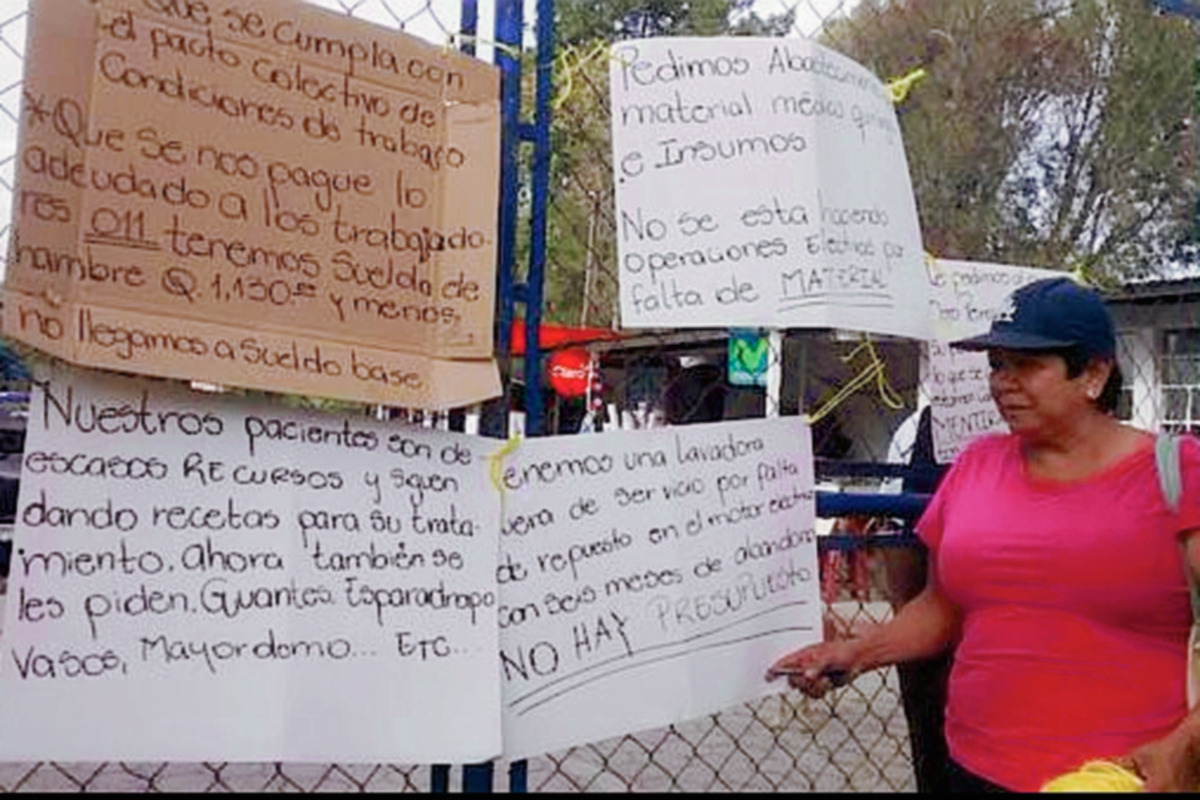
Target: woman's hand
[[817, 668], [920, 629], [1169, 764]]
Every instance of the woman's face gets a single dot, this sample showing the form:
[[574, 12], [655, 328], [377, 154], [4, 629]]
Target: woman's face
[[1035, 396]]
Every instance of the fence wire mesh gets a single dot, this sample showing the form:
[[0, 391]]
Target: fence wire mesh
[[857, 738]]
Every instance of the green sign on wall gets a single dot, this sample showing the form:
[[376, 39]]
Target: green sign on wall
[[749, 355]]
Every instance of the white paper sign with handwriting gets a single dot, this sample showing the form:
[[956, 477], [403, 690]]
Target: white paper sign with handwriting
[[201, 578], [650, 577], [761, 182], [965, 296]]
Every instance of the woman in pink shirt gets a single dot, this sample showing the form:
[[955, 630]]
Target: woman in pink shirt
[[1056, 571]]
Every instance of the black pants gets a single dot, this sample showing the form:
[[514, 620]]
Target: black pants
[[960, 781], [923, 691]]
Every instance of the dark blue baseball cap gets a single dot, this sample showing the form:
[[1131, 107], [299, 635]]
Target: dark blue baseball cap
[[1050, 314]]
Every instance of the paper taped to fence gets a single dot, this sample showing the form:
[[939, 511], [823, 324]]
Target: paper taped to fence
[[266, 195], [761, 182], [650, 577], [201, 578], [965, 297]]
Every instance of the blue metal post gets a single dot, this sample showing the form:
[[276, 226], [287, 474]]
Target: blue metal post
[[535, 286], [518, 777], [477, 778], [469, 28], [469, 25], [493, 418], [535, 422], [509, 22], [841, 504], [439, 779]]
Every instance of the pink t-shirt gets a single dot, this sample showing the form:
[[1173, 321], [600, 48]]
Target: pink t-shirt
[[1075, 609]]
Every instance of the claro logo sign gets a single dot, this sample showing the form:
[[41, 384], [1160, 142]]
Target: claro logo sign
[[570, 372]]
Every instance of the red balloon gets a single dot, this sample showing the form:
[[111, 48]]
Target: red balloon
[[570, 372]]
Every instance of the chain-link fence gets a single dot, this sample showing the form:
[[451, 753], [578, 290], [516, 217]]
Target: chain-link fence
[[855, 740], [865, 393], [437, 22]]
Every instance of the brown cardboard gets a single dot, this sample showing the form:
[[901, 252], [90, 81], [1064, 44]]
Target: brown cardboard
[[193, 172]]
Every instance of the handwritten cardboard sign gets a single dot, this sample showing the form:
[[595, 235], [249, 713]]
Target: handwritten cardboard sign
[[201, 578], [265, 195], [649, 577], [761, 182], [965, 296]]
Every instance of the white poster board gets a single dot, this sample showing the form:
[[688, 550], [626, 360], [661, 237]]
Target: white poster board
[[651, 577], [965, 296], [259, 194], [203, 578], [761, 182]]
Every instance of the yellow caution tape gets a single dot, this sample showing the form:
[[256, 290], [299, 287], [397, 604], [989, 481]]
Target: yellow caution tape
[[452, 39], [875, 371], [898, 88], [496, 459], [569, 64]]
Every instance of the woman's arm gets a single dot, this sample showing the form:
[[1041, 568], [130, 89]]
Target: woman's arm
[[922, 628], [1172, 763]]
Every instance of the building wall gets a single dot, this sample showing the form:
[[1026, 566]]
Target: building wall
[[1159, 353]]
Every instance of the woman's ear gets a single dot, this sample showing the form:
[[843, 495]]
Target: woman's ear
[[1095, 376]]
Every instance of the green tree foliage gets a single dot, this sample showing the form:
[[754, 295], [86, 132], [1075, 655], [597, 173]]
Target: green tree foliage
[[581, 275], [586, 21], [583, 22], [1055, 134]]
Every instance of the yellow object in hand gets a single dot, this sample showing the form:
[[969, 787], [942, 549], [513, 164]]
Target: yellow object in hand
[[1096, 776]]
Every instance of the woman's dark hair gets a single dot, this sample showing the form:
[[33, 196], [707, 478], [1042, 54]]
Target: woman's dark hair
[[1077, 361]]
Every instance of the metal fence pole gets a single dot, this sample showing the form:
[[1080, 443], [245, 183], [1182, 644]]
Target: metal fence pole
[[535, 285], [534, 294], [477, 778], [439, 779], [509, 22], [469, 25]]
